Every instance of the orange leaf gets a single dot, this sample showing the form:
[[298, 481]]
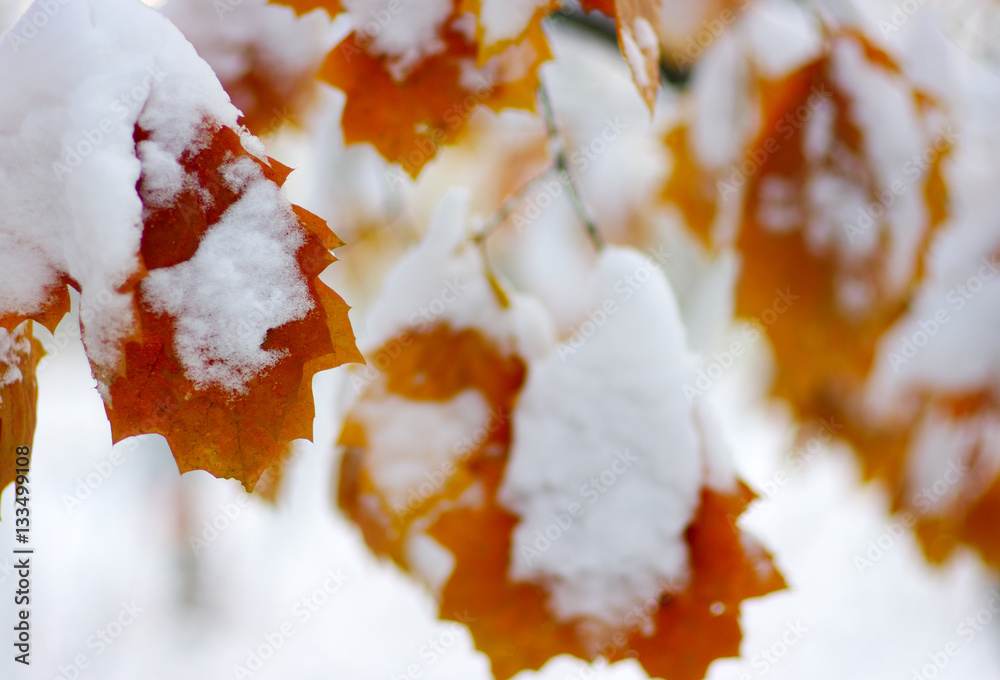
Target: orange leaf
[[787, 258], [637, 24], [210, 427], [690, 187], [406, 117], [333, 7], [20, 352], [511, 621]]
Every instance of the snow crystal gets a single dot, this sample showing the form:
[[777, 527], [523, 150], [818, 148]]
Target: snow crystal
[[606, 465], [242, 281]]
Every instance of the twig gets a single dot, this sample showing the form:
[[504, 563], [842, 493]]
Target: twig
[[558, 150], [508, 205]]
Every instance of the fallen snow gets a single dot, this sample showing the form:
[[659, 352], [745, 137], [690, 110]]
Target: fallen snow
[[405, 31], [242, 281], [606, 465], [443, 280], [506, 19], [411, 444], [13, 346], [68, 165]]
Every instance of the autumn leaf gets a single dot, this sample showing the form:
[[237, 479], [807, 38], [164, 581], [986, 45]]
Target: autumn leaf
[[691, 187], [843, 302], [20, 353], [443, 435], [231, 432], [407, 111], [637, 22], [511, 621], [333, 7]]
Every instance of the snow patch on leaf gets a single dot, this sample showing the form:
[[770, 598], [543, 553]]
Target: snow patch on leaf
[[606, 429]]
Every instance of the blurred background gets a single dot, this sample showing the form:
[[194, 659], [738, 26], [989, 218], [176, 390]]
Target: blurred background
[[140, 572]]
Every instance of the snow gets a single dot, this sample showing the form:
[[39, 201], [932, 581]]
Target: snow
[[506, 19], [242, 281], [603, 434], [405, 31], [884, 109], [634, 56], [444, 280], [205, 610], [286, 44], [68, 162], [13, 345], [254, 39], [411, 445]]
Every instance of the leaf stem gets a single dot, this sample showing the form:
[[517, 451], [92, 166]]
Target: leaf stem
[[512, 202], [558, 151]]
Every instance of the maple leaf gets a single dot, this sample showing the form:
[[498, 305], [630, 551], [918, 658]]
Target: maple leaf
[[332, 7], [202, 313], [20, 353], [799, 258], [793, 247], [407, 112], [431, 456], [637, 22], [691, 187], [511, 621], [230, 433]]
